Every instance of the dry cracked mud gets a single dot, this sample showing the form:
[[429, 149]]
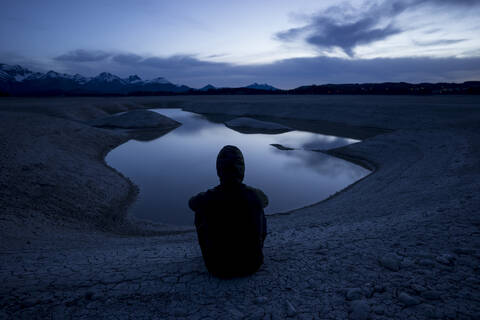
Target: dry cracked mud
[[403, 243]]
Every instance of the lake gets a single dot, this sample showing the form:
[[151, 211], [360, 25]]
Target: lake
[[172, 168]]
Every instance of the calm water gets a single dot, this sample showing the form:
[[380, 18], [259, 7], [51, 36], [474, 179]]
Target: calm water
[[172, 168]]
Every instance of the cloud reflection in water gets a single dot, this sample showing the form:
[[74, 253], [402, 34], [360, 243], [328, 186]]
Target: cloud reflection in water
[[171, 169]]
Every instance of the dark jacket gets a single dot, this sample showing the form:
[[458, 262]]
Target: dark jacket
[[230, 221]]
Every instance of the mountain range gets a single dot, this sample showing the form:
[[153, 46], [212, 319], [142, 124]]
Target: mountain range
[[18, 81]]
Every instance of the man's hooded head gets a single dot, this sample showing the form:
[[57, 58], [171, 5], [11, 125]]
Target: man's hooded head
[[230, 165]]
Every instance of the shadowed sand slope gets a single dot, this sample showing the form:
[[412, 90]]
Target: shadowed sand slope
[[136, 119], [249, 125], [403, 243]]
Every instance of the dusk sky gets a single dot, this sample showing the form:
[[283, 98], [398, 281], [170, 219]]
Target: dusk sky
[[234, 43]]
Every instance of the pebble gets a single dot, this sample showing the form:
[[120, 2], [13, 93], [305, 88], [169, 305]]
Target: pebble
[[431, 295], [406, 263], [89, 295], [418, 288], [235, 313], [390, 261], [180, 313], [379, 288], [408, 300], [464, 251], [446, 259], [379, 310], [291, 311], [259, 314], [260, 300], [473, 281], [360, 310], [429, 311], [450, 313], [354, 294], [369, 291], [426, 263]]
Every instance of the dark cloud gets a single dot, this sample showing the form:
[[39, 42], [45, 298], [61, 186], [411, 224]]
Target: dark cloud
[[288, 73], [348, 36], [342, 26], [163, 63], [441, 42], [83, 56], [219, 55], [345, 27], [178, 62], [465, 3], [127, 58], [177, 65], [431, 31], [336, 70], [13, 58], [292, 34], [302, 71]]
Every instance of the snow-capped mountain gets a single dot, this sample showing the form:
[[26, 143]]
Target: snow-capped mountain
[[4, 76], [133, 79], [17, 80], [159, 80], [78, 78], [14, 73], [262, 86], [107, 77], [51, 75]]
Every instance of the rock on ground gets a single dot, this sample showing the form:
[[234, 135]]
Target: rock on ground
[[360, 310], [408, 300], [390, 261], [354, 294]]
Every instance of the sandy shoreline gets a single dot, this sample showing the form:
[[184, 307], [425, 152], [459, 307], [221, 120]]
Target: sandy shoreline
[[421, 205]]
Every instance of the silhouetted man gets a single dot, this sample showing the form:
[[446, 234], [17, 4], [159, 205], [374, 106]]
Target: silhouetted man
[[229, 218]]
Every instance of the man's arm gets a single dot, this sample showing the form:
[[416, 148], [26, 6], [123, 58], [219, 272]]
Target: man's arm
[[261, 221], [195, 202], [264, 231]]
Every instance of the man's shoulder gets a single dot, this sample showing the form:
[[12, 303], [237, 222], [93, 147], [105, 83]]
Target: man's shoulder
[[259, 194], [253, 189], [200, 199]]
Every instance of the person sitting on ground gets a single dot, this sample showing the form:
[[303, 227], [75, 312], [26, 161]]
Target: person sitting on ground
[[230, 221]]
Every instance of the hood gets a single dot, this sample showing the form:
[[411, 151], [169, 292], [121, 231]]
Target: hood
[[230, 165]]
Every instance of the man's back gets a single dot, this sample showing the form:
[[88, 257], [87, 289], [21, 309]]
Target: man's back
[[231, 226]]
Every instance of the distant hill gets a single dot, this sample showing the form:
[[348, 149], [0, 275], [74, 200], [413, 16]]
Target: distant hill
[[397, 88], [263, 86], [207, 88], [252, 88], [18, 81]]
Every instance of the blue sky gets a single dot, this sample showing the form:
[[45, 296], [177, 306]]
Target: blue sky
[[234, 43]]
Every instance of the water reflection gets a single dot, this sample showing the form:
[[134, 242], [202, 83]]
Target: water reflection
[[312, 141], [323, 164], [171, 169]]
